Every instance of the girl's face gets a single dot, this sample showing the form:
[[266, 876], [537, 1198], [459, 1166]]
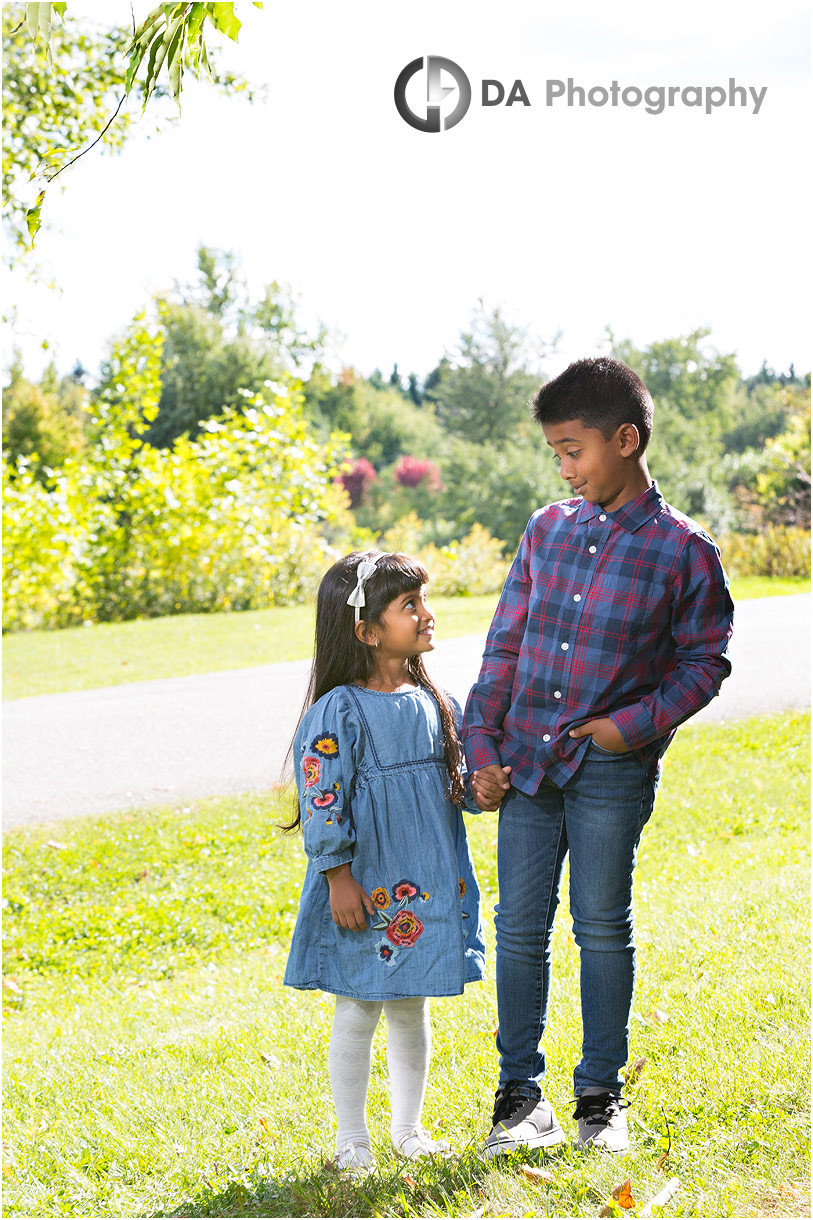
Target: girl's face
[[406, 627]]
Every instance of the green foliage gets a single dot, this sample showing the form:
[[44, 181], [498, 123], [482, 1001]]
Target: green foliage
[[777, 551], [482, 392], [43, 422], [217, 343], [65, 85], [470, 568], [240, 517]]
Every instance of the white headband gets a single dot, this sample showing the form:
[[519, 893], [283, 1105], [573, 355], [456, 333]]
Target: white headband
[[363, 573]]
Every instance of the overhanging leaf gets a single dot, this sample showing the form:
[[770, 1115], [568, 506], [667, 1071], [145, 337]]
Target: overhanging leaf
[[33, 217], [222, 15]]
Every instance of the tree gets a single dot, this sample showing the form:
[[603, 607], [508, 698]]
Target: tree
[[43, 422], [65, 87], [481, 392], [218, 345]]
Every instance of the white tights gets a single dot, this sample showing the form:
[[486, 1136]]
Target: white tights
[[408, 1049]]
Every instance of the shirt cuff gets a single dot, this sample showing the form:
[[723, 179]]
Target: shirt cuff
[[481, 752], [323, 863], [635, 725]]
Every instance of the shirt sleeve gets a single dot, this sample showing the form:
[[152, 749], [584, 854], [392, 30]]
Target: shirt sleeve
[[490, 697], [702, 624], [325, 773]]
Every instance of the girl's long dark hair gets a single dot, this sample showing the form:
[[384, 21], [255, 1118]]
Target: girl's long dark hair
[[340, 658]]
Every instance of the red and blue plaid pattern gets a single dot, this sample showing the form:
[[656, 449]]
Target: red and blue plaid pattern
[[625, 614]]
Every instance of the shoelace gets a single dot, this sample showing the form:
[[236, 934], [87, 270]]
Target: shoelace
[[595, 1107], [507, 1102]]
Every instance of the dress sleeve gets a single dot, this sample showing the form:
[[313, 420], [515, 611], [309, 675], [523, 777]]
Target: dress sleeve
[[325, 774]]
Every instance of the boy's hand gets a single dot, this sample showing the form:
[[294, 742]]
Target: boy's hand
[[490, 785], [604, 733], [348, 901]]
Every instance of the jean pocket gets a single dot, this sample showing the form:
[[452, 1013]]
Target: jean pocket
[[609, 753]]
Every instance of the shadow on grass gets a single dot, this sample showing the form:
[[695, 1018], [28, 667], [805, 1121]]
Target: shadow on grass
[[456, 1187]]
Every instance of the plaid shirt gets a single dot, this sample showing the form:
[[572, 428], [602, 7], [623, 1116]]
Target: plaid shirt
[[623, 614]]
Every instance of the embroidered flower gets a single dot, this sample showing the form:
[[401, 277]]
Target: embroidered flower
[[326, 744], [386, 952], [425, 896], [312, 769], [405, 928], [461, 885], [325, 799], [381, 898], [403, 890]]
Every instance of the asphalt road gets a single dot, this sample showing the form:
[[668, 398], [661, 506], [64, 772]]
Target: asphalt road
[[173, 740]]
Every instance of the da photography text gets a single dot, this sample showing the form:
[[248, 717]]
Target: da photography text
[[433, 93]]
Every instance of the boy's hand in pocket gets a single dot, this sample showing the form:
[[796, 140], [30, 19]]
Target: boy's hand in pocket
[[604, 733], [490, 785]]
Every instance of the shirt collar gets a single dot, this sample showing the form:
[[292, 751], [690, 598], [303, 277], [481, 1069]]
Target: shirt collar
[[632, 515]]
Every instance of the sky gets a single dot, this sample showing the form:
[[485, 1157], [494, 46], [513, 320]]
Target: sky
[[570, 219]]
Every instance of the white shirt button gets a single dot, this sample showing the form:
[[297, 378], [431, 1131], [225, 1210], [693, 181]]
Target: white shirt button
[[557, 694], [602, 516], [592, 550], [546, 737], [565, 647], [577, 597]]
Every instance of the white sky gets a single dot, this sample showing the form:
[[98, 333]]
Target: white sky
[[570, 219]]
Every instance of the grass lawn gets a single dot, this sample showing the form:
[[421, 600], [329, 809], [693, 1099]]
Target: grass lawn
[[85, 658], [155, 1065]]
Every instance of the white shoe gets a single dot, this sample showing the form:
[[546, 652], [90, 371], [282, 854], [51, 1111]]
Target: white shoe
[[417, 1143], [602, 1122], [355, 1158]]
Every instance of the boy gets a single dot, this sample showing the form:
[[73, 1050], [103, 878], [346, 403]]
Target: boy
[[611, 630]]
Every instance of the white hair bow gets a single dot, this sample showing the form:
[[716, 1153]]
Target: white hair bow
[[363, 573]]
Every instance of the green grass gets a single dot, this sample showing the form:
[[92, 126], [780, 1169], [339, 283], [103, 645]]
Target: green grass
[[85, 658], [156, 1066]]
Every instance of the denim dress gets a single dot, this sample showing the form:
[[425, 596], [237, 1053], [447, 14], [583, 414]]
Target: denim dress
[[373, 791]]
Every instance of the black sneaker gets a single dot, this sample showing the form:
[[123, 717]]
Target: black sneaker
[[521, 1121], [602, 1122]]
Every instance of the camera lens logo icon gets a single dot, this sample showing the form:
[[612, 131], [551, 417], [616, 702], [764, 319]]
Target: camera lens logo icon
[[436, 92]]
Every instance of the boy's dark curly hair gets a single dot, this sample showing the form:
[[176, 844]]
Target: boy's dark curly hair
[[600, 393]]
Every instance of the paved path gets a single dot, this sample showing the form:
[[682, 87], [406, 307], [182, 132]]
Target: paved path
[[172, 740]]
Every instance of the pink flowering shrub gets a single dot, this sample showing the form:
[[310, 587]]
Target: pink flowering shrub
[[412, 471], [358, 480]]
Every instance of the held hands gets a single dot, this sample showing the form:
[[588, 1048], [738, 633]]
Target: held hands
[[490, 785], [604, 734], [348, 901]]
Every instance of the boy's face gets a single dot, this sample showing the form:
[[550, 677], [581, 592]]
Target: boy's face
[[595, 467]]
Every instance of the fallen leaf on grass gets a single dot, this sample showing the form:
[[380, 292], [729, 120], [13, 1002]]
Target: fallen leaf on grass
[[142, 876], [623, 1195], [264, 1125], [58, 846], [410, 1181], [536, 1175], [631, 1076], [9, 984], [657, 1016]]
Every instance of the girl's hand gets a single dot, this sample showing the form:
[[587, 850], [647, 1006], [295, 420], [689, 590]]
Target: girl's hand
[[490, 785], [348, 901]]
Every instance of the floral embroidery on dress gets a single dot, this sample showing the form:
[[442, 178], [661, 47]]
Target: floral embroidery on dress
[[404, 890], [312, 768], [404, 929], [461, 885], [325, 799], [326, 744]]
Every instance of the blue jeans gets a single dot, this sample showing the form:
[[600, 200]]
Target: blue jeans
[[598, 817]]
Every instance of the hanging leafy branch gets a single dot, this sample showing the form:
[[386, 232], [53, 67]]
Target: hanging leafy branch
[[86, 74]]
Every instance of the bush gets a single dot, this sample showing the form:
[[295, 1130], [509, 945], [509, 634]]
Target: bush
[[475, 566], [246, 515], [776, 551]]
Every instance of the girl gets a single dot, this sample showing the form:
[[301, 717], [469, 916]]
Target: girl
[[390, 910]]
